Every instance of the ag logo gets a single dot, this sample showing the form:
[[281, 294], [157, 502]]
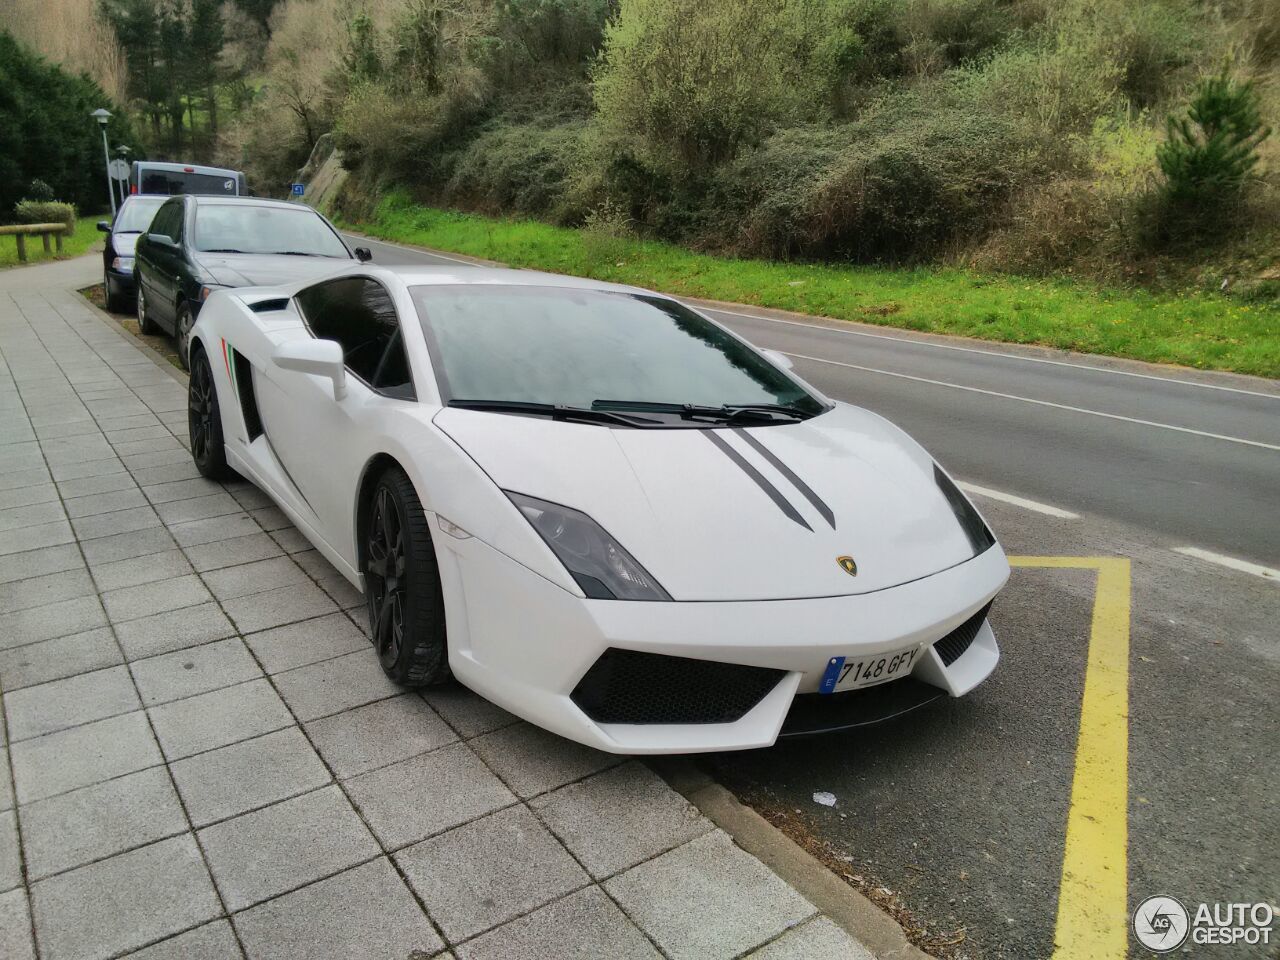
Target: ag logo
[[1161, 924], [847, 565]]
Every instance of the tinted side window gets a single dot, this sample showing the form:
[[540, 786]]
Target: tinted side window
[[168, 221], [359, 314]]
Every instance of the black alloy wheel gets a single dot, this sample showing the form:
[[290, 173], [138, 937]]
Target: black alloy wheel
[[402, 585], [204, 421]]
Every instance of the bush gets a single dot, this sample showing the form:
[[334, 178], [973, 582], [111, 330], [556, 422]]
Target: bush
[[46, 211], [520, 167], [668, 79]]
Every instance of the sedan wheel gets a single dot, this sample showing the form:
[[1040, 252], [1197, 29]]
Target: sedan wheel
[[402, 585], [113, 299], [145, 323], [182, 334]]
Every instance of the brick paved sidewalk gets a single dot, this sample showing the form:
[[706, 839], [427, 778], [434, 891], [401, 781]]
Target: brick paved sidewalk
[[207, 762]]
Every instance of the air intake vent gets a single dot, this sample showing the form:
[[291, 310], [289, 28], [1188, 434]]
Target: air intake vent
[[624, 686], [248, 398], [270, 306], [952, 647]]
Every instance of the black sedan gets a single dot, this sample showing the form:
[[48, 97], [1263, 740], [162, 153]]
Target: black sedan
[[197, 244], [133, 217]]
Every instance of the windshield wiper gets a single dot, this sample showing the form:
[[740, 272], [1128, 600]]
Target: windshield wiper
[[726, 413], [556, 411], [222, 250]]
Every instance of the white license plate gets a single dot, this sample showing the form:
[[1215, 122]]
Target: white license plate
[[853, 673]]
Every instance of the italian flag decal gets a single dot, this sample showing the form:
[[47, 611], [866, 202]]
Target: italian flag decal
[[226, 358]]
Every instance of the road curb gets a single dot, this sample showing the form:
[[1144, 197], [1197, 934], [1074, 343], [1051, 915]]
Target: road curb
[[860, 917], [153, 355]]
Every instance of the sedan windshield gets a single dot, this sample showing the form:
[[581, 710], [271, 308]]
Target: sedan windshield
[[135, 216], [582, 349], [251, 228]]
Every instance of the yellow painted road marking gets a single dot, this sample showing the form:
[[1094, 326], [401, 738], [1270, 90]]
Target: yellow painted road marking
[[1093, 913]]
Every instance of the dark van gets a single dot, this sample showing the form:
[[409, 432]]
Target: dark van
[[153, 178]]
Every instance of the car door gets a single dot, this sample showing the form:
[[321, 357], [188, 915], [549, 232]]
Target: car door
[[160, 258], [320, 442]]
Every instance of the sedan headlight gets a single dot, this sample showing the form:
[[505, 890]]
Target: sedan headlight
[[208, 290], [980, 538], [122, 264], [599, 564]]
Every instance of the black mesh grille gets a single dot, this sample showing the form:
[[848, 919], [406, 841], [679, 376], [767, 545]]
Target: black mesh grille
[[625, 686], [951, 647]]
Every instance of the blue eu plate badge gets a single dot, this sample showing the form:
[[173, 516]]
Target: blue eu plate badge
[[832, 675]]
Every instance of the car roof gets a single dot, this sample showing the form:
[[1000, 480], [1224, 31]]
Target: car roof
[[417, 275], [209, 199]]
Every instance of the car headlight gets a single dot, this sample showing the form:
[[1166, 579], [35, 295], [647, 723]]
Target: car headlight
[[122, 264], [599, 564], [980, 537], [208, 290]]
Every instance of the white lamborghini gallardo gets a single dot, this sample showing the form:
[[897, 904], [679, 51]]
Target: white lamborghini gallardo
[[597, 507]]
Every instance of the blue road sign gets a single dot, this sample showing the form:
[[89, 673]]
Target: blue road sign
[[299, 189]]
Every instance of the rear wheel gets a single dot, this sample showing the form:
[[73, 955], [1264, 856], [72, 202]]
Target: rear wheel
[[145, 323], [182, 334], [115, 302], [204, 421], [402, 585]]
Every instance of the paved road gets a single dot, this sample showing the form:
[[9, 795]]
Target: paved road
[[1196, 465], [961, 811]]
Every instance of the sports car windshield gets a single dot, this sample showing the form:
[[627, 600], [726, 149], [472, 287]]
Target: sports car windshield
[[250, 228], [525, 347]]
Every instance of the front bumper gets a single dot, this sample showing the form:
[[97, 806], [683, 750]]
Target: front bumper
[[525, 644], [122, 281]]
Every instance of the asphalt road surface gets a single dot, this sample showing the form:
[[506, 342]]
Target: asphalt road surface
[[960, 811]]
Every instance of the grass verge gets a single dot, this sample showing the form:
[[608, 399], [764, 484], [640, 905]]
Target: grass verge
[[85, 235], [1192, 329]]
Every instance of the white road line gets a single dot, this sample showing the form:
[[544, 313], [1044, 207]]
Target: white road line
[[1221, 560], [996, 353], [1026, 504], [1040, 403]]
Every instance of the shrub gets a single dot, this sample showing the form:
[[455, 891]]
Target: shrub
[[524, 167], [46, 211], [668, 78]]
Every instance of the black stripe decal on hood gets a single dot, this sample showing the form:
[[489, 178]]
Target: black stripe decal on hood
[[774, 494], [818, 503]]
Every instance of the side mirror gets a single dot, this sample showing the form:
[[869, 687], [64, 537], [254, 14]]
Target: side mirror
[[780, 358], [104, 226], [160, 238], [323, 358], [363, 254]]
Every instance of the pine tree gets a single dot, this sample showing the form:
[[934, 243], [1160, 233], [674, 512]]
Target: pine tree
[[1214, 146]]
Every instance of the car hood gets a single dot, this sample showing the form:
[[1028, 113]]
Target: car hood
[[264, 270], [123, 243], [737, 514]]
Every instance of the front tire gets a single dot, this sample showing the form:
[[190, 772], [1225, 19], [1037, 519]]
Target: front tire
[[115, 302], [204, 422], [182, 334], [402, 585], [145, 323]]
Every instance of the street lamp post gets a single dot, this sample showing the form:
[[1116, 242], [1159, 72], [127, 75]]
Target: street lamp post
[[102, 116]]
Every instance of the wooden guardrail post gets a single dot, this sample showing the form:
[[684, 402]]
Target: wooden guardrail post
[[20, 232]]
